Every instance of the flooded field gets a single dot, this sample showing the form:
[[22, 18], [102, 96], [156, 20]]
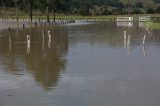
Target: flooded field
[[89, 64]]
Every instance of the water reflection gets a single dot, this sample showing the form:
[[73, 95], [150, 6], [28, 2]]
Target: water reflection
[[125, 39], [92, 64], [124, 24], [141, 24], [109, 35], [10, 44], [144, 51], [42, 38], [44, 62], [28, 48], [49, 39]]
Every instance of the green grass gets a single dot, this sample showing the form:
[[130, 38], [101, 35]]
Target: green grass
[[69, 17], [152, 25], [10, 13], [86, 17]]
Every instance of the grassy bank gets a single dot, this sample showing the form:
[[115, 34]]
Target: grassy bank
[[10, 13], [78, 17], [152, 25], [109, 17], [68, 17]]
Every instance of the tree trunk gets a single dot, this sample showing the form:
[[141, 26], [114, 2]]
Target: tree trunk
[[30, 10], [0, 12], [39, 15], [47, 10], [54, 15], [16, 11], [4, 12], [128, 8]]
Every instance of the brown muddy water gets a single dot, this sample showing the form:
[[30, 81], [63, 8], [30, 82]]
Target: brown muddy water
[[86, 64]]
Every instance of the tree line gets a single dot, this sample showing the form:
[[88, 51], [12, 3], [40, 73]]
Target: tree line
[[78, 7]]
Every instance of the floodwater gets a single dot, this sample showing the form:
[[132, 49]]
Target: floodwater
[[87, 64]]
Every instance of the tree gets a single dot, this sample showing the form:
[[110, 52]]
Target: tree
[[137, 11], [54, 5], [50, 4], [150, 11], [129, 6], [157, 1], [3, 10], [83, 10], [47, 10], [139, 5], [158, 9], [16, 6], [31, 9]]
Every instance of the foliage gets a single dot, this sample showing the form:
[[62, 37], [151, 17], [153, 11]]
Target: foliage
[[150, 11], [81, 7], [157, 1], [158, 9], [139, 5], [137, 11]]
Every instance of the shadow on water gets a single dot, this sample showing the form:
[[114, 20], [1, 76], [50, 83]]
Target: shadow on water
[[44, 62]]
